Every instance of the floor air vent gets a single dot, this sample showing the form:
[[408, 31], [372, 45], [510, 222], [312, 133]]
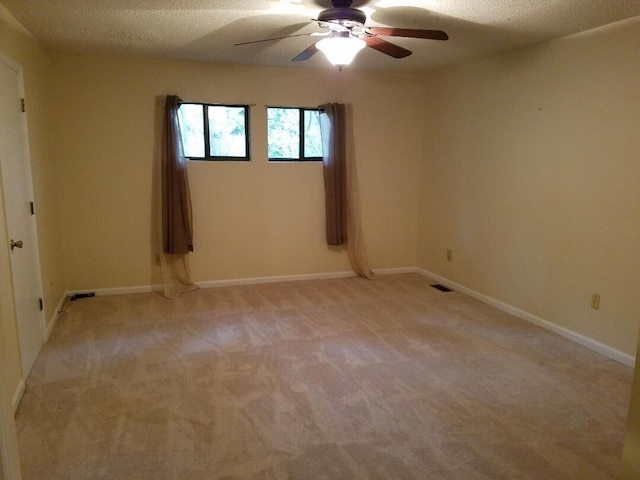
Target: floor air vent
[[442, 288]]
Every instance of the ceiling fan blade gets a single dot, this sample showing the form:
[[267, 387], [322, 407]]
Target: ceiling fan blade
[[275, 38], [409, 32], [388, 48], [306, 53]]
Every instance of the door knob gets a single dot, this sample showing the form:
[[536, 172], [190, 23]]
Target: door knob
[[13, 244]]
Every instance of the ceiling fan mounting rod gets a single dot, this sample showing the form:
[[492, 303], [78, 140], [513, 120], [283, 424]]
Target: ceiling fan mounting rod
[[341, 3]]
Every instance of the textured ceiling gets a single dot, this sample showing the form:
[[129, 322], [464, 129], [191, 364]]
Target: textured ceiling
[[207, 30]]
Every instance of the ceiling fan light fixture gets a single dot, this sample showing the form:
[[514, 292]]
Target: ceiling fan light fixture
[[340, 50]]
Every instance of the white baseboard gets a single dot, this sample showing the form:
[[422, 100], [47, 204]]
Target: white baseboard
[[276, 279], [116, 290], [215, 283], [242, 281], [394, 271], [54, 318], [601, 348], [17, 395]]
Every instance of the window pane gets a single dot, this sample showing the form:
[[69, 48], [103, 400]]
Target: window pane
[[312, 137], [227, 136], [192, 128], [283, 130]]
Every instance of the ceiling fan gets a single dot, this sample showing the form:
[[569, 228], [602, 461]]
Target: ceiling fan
[[346, 34]]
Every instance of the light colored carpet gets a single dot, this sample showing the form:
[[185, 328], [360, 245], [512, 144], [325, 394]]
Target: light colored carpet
[[332, 379]]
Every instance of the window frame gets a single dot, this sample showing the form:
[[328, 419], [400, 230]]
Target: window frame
[[206, 133], [301, 142]]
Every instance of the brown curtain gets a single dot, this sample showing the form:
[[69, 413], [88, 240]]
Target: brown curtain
[[335, 173], [177, 223], [176, 216], [342, 198]]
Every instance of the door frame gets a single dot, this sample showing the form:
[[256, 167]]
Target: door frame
[[9, 457]]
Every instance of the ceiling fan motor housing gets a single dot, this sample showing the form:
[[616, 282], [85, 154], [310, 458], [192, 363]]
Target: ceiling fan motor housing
[[349, 17]]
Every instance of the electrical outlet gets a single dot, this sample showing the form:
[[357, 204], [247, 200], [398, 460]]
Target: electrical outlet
[[595, 301], [449, 254]]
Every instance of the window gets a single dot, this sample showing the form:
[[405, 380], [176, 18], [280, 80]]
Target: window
[[293, 134], [215, 132]]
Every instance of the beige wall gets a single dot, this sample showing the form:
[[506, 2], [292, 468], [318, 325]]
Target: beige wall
[[251, 219], [531, 176]]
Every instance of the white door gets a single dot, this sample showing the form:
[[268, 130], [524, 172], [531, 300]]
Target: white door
[[17, 192]]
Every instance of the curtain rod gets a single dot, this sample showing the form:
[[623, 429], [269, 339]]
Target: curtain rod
[[180, 102], [293, 107]]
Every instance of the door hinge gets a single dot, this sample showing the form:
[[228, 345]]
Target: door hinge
[[31, 208], [41, 304], [22, 105]]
